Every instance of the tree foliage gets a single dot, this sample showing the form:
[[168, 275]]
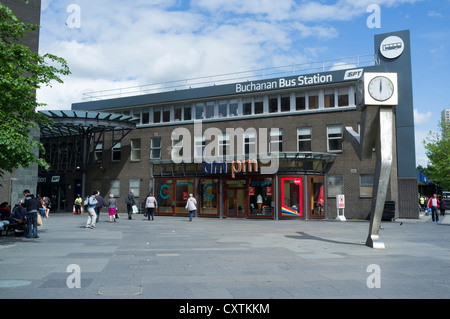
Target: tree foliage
[[22, 72], [437, 147]]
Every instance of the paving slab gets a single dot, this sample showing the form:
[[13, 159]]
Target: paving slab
[[211, 258]]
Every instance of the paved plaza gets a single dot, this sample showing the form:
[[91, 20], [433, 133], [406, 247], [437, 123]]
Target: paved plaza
[[210, 258]]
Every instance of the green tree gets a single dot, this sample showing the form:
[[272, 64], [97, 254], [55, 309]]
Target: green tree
[[22, 72], [437, 147]]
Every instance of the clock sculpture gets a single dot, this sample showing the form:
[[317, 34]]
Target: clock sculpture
[[376, 97]]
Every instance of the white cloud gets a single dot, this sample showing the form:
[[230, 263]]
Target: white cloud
[[145, 41], [422, 118]]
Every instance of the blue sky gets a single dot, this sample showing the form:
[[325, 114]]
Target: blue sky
[[127, 43]]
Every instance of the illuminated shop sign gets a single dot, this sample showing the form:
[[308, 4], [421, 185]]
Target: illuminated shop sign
[[236, 166]]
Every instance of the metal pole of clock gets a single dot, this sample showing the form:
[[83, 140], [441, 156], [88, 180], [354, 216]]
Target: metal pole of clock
[[377, 130]]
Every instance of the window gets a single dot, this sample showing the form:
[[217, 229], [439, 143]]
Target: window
[[304, 139], [200, 145], [234, 107], [224, 145], [247, 106], [116, 151], [300, 102], [155, 148], [166, 114], [199, 111], [157, 115], [114, 187], [137, 114], [187, 113], [223, 108], [276, 140], [98, 152], [273, 104], [135, 184], [285, 103], [145, 117], [136, 149], [313, 100], [177, 146], [250, 144], [177, 114], [365, 185], [343, 97], [210, 110], [259, 105], [329, 98], [335, 185], [335, 135]]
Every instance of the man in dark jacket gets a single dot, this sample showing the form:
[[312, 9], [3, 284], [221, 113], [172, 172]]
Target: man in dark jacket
[[31, 204], [129, 200], [100, 203]]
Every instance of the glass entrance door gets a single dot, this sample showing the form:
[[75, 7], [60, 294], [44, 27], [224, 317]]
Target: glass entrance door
[[235, 202], [316, 197], [291, 199]]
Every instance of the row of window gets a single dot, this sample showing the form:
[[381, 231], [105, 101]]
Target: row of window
[[250, 147], [335, 186], [264, 104]]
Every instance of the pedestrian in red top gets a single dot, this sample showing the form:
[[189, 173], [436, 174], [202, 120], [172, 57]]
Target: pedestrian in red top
[[433, 203]]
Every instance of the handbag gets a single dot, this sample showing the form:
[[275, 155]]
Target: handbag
[[135, 209], [39, 220]]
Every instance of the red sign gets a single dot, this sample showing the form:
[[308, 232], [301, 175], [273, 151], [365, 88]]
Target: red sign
[[251, 191], [269, 191], [340, 199]]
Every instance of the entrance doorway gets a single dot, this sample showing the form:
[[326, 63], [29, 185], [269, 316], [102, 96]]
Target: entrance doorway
[[291, 196], [316, 197], [235, 202]]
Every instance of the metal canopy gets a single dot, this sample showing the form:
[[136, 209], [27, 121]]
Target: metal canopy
[[76, 123], [72, 137]]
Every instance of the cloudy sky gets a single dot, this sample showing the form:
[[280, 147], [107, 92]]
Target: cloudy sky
[[114, 44]]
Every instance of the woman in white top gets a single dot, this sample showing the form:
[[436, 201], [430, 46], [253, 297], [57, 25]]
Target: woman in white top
[[191, 206], [150, 205]]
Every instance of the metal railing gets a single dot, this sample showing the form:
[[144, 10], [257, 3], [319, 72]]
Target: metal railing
[[253, 75]]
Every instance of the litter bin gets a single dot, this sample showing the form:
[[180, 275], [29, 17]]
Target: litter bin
[[389, 210]]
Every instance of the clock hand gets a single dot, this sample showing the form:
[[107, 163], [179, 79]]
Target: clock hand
[[381, 86]]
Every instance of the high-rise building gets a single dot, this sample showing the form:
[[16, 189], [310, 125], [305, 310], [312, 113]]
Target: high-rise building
[[445, 115]]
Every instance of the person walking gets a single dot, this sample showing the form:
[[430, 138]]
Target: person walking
[[191, 206], [78, 202], [100, 203], [433, 203], [92, 202], [151, 204], [443, 207], [130, 201], [112, 206], [422, 203], [46, 205], [32, 205]]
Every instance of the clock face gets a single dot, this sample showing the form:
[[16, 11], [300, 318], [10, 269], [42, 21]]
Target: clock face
[[381, 88]]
